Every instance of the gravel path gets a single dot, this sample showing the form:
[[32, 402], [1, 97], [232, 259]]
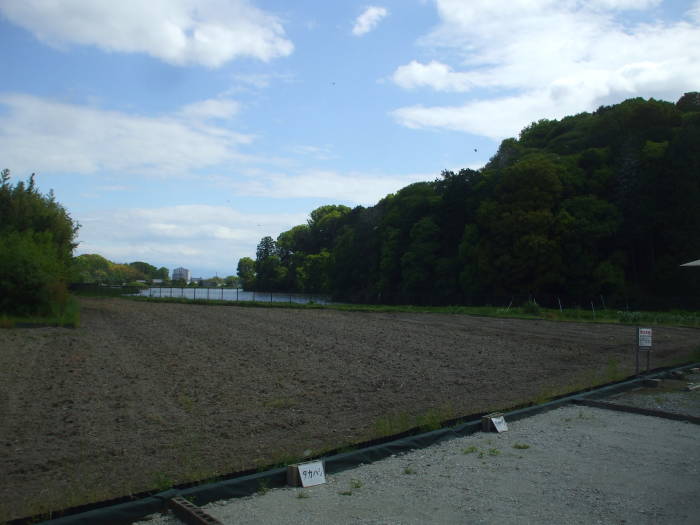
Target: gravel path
[[668, 396], [571, 465]]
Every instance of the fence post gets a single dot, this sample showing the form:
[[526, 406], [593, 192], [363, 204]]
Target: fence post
[[560, 308], [593, 308], [207, 293], [237, 294]]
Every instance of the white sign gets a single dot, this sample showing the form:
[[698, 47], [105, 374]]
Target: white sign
[[312, 474], [500, 424], [645, 337]]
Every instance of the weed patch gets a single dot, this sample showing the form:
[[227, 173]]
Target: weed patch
[[263, 487]]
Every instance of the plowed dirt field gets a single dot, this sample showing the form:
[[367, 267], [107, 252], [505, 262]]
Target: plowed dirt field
[[144, 395]]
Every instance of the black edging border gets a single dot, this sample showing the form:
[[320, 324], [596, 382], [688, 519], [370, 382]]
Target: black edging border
[[246, 485]]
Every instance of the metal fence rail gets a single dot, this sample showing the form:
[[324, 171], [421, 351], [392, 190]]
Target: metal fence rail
[[233, 294]]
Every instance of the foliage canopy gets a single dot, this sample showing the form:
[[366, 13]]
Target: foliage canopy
[[36, 246], [602, 203]]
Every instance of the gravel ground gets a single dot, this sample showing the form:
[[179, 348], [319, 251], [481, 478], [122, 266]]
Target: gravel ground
[[669, 396], [574, 465]]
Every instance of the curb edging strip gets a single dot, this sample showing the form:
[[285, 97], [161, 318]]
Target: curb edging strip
[[637, 410]]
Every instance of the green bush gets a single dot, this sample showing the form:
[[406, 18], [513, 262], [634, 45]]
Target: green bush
[[31, 276], [36, 246], [531, 307]]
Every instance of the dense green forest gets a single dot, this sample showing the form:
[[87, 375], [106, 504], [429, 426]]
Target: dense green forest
[[36, 248], [602, 205]]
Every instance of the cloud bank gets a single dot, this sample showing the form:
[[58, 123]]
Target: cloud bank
[[179, 32], [552, 58], [40, 134], [202, 237]]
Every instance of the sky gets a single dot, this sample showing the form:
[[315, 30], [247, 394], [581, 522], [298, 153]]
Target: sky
[[180, 132]]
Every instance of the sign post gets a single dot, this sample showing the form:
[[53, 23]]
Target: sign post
[[644, 338]]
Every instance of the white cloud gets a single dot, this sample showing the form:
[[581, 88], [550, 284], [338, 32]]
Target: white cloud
[[355, 188], [368, 20], [694, 12], [44, 135], [255, 81], [491, 118], [204, 238], [553, 58], [623, 4], [211, 108], [180, 32], [316, 152], [436, 75]]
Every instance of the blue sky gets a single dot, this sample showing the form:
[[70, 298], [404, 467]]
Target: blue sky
[[179, 132]]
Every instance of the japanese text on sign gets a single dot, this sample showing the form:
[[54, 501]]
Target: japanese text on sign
[[645, 337], [312, 474]]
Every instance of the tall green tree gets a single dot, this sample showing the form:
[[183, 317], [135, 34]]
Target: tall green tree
[[246, 273], [36, 246]]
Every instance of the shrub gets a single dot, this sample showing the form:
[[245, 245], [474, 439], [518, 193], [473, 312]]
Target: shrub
[[31, 276], [36, 246], [531, 307]]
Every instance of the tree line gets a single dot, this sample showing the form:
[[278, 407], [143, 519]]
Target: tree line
[[94, 269], [603, 203]]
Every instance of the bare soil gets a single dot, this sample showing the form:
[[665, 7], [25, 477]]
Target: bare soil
[[144, 395]]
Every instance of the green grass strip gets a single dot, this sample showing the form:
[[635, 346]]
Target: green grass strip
[[66, 317], [673, 318]]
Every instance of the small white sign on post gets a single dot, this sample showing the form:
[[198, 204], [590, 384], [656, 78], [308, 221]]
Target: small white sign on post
[[311, 474], [500, 424], [644, 337], [494, 422]]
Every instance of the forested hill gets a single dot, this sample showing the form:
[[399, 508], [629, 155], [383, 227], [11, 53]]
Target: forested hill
[[604, 203]]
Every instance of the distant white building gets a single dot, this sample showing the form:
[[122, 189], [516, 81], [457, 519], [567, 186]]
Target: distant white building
[[182, 273]]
